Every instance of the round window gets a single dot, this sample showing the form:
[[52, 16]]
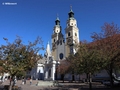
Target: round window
[[61, 55]]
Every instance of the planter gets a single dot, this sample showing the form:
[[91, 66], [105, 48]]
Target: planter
[[6, 87], [15, 88]]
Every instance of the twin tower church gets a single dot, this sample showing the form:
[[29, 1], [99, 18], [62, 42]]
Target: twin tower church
[[61, 48]]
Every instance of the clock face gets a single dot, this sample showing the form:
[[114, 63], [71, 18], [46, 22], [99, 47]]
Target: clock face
[[75, 41], [57, 30], [69, 41]]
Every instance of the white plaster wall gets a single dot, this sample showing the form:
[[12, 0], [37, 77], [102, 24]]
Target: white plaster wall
[[33, 72], [61, 49], [75, 30], [40, 68], [102, 73]]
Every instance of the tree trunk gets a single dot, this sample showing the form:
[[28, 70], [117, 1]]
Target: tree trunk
[[73, 79], [111, 77], [79, 77], [87, 77], [90, 81], [62, 77], [10, 87], [11, 83]]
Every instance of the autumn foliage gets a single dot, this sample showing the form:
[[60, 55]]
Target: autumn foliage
[[108, 44], [63, 68], [102, 53], [18, 57]]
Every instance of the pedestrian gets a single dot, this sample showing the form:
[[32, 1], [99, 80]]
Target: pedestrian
[[23, 81], [10, 80], [15, 81], [30, 81]]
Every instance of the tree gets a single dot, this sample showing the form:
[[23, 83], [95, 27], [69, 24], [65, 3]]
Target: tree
[[1, 68], [108, 44], [63, 68], [86, 60], [18, 57]]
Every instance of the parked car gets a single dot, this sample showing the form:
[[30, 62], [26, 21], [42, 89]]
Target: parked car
[[115, 79], [100, 79]]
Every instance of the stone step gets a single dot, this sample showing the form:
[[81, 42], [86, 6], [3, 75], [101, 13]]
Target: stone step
[[45, 83]]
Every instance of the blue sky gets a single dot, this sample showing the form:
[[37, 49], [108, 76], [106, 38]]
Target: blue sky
[[31, 18]]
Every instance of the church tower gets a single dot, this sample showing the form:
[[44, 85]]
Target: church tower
[[58, 42], [48, 51], [72, 34]]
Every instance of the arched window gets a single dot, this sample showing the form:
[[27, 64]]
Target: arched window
[[49, 73], [60, 42], [61, 55], [75, 34], [68, 33], [57, 42]]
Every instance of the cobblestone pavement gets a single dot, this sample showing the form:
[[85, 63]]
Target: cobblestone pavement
[[34, 86], [26, 86], [66, 86]]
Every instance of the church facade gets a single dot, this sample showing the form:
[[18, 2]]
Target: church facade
[[61, 48]]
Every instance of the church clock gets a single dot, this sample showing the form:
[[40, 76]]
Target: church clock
[[69, 41], [57, 30]]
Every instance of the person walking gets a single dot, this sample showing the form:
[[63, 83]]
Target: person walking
[[30, 81], [23, 81], [14, 81], [10, 80]]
